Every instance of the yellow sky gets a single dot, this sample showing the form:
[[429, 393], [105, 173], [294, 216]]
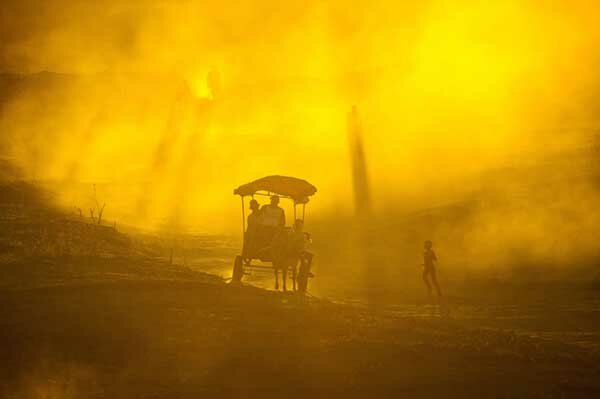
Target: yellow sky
[[445, 90]]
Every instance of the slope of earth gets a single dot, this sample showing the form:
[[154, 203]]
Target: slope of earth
[[89, 312]]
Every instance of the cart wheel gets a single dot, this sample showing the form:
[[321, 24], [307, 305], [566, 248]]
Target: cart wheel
[[238, 270]]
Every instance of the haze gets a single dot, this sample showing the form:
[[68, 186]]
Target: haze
[[458, 100]]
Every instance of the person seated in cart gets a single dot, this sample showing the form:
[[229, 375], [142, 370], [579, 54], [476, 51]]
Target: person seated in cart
[[253, 226], [272, 218], [254, 217]]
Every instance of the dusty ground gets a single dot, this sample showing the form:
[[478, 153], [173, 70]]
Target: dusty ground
[[107, 316], [193, 336]]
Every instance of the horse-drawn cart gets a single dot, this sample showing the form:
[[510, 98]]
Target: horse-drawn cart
[[282, 247]]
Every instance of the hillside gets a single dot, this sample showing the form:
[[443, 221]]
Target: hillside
[[42, 245], [90, 312]]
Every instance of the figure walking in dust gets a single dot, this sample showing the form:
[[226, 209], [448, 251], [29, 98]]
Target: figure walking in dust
[[429, 261]]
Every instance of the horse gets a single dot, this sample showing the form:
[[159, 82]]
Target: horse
[[285, 267], [285, 252]]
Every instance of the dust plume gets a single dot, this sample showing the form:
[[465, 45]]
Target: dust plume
[[479, 119]]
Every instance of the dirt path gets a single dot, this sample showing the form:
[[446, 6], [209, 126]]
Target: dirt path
[[180, 339]]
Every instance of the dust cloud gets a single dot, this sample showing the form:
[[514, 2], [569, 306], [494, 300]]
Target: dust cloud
[[479, 120]]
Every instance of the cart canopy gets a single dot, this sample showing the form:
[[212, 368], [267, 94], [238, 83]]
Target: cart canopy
[[297, 189]]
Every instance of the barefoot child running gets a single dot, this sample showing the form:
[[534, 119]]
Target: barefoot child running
[[429, 260]]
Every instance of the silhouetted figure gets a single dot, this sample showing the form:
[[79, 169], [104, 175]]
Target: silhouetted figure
[[429, 260], [254, 216], [253, 226], [272, 220], [272, 215], [362, 198], [300, 238]]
